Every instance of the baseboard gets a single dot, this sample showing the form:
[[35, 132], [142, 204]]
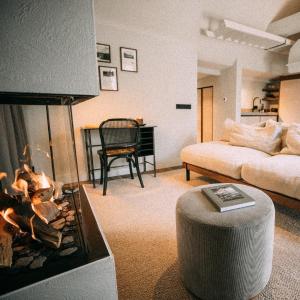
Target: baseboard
[[162, 170]]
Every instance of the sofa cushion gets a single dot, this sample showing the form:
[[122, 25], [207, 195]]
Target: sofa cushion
[[284, 126], [220, 157], [279, 173], [266, 139], [292, 140], [229, 124]]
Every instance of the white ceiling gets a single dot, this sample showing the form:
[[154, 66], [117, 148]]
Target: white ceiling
[[176, 18], [183, 19], [255, 13]]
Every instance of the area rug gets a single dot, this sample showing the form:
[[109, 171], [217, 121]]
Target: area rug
[[140, 228]]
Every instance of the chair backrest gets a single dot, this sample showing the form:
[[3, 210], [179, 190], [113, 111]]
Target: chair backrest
[[119, 133]]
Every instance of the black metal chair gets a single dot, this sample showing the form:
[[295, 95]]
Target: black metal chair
[[119, 139]]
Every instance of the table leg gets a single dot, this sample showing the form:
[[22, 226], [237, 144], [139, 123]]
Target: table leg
[[92, 160], [144, 163]]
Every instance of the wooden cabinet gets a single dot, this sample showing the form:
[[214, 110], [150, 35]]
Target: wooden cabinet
[[255, 119]]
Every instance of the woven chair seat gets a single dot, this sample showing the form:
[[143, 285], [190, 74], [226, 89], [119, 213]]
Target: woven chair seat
[[121, 151]]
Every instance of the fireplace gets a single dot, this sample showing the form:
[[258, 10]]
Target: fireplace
[[50, 241]]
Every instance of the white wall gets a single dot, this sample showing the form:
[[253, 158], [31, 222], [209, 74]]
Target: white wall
[[167, 74], [228, 85], [251, 88], [289, 105]]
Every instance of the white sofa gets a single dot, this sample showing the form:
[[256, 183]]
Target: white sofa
[[278, 175]]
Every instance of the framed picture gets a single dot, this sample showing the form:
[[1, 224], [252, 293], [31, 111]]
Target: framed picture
[[103, 53], [108, 77], [128, 59]]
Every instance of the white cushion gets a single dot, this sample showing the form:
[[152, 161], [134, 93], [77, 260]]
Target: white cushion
[[292, 140], [284, 126], [279, 173], [220, 157], [228, 125], [266, 139], [227, 129]]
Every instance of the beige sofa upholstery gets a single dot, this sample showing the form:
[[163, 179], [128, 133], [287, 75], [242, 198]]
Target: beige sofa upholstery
[[221, 157], [279, 173]]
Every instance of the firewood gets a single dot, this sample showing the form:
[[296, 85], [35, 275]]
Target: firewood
[[6, 252], [46, 233], [42, 195], [7, 201], [28, 221], [47, 211]]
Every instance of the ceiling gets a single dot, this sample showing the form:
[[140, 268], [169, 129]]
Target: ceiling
[[255, 13], [183, 19]]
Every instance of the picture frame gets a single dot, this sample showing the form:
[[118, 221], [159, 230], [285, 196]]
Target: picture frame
[[103, 53], [108, 78], [128, 57]]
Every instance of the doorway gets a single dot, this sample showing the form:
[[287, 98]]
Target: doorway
[[205, 114]]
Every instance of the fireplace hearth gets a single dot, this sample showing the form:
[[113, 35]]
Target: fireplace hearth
[[51, 245]]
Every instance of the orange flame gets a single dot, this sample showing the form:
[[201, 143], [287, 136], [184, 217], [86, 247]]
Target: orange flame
[[2, 175], [5, 214], [43, 182], [32, 229], [21, 185]]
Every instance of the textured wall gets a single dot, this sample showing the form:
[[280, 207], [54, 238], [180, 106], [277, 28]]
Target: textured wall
[[48, 47], [166, 76]]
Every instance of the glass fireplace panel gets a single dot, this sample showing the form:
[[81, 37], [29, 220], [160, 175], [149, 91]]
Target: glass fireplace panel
[[40, 206]]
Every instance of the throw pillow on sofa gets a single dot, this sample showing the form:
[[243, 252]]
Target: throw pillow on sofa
[[228, 125], [292, 140], [285, 127], [266, 139]]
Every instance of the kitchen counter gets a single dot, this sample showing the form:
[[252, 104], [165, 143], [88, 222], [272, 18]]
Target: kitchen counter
[[256, 113]]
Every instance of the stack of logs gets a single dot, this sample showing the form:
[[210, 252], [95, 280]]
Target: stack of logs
[[35, 209]]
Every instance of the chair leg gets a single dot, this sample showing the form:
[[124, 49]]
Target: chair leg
[[138, 169], [130, 167], [105, 175], [101, 168]]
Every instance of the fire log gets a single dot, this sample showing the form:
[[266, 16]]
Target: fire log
[[47, 211], [28, 221], [6, 252], [42, 195], [7, 201]]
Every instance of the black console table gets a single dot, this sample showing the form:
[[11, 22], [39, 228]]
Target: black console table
[[92, 145]]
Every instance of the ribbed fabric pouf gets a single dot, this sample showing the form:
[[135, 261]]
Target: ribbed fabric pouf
[[225, 255]]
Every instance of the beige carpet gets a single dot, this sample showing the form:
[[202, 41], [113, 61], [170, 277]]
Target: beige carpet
[[140, 227]]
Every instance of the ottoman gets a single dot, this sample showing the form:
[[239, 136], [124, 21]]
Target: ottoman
[[225, 255]]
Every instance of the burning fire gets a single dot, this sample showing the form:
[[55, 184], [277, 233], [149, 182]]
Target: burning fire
[[5, 214], [32, 207]]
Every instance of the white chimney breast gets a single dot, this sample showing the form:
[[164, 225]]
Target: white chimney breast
[[48, 47]]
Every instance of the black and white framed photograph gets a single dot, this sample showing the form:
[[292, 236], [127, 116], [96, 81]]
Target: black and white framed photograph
[[128, 59], [108, 77], [103, 53]]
